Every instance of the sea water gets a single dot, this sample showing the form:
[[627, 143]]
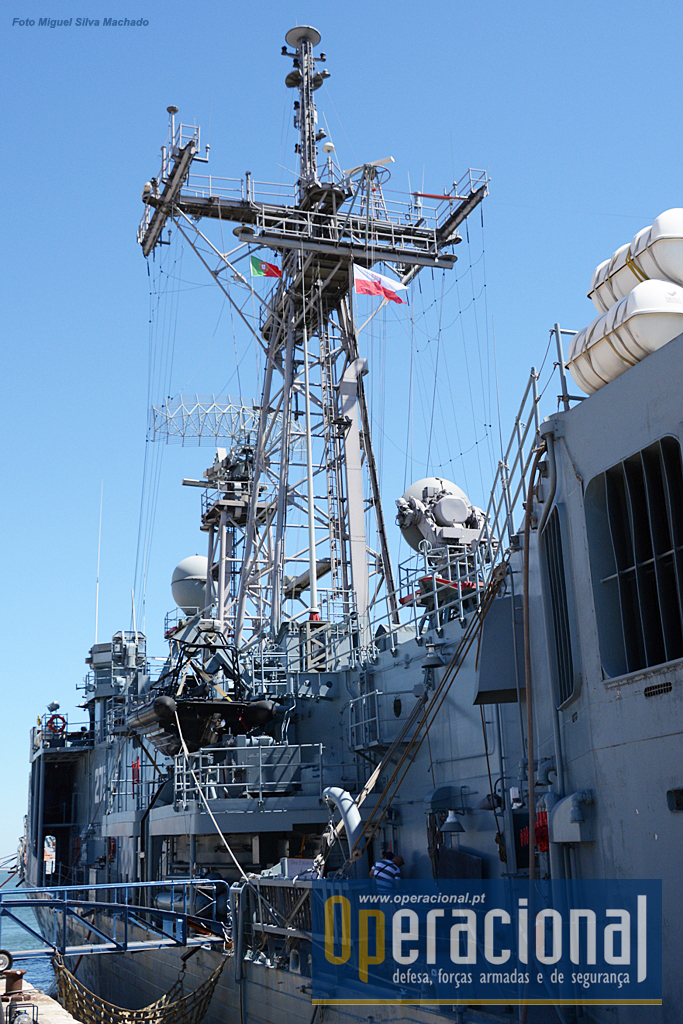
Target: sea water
[[13, 937]]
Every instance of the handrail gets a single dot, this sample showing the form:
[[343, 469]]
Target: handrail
[[116, 918]]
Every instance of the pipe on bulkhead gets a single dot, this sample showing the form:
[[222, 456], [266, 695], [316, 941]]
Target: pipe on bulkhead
[[350, 815], [238, 899], [555, 850], [545, 769], [584, 796], [347, 807], [547, 433], [527, 665]]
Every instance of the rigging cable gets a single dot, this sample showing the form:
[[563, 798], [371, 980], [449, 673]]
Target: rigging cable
[[489, 415], [436, 375], [442, 378], [495, 366], [186, 755], [162, 327], [469, 380], [409, 422], [476, 329]]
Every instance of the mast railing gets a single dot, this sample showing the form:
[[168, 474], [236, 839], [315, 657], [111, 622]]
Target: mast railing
[[206, 186], [273, 200], [319, 646], [472, 180], [185, 133], [400, 208], [352, 227]]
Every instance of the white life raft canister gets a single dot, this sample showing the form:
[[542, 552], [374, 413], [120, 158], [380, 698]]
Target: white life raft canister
[[637, 325], [656, 252]]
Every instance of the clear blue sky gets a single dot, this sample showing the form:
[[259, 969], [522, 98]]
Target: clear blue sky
[[573, 108]]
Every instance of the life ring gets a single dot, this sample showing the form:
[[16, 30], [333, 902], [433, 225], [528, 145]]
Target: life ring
[[57, 724]]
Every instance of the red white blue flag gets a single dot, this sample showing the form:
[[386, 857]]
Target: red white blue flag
[[369, 282]]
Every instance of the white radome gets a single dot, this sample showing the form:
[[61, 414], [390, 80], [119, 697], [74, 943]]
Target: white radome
[[188, 584]]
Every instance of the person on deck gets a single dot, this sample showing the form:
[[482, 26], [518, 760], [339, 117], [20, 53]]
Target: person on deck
[[387, 871]]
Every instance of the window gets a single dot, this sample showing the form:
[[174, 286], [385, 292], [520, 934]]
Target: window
[[634, 519]]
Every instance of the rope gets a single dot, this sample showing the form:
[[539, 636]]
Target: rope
[[276, 915], [171, 1008], [186, 754]]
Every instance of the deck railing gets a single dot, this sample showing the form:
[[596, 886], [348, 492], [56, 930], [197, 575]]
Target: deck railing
[[254, 770]]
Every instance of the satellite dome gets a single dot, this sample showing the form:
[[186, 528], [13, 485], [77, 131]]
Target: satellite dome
[[431, 506], [188, 584], [429, 486]]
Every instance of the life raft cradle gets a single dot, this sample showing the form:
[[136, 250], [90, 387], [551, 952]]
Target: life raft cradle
[[172, 1008]]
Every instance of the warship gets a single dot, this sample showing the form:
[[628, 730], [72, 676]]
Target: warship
[[506, 702]]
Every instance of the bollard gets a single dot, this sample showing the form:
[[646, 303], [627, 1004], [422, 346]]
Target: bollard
[[14, 981]]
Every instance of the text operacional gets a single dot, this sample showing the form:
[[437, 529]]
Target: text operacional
[[462, 940], [428, 942]]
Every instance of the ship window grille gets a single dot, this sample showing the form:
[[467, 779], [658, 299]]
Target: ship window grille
[[556, 586], [634, 519]]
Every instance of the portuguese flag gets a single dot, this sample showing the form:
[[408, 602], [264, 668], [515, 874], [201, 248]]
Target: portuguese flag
[[259, 268]]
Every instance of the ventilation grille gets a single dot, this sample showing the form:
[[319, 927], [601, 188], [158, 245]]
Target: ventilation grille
[[654, 691], [634, 518]]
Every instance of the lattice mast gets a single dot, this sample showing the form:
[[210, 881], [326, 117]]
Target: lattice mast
[[288, 528]]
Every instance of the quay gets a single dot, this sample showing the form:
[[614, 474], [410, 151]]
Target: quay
[[48, 1010]]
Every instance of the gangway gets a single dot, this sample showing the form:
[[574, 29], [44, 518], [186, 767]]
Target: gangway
[[117, 917]]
